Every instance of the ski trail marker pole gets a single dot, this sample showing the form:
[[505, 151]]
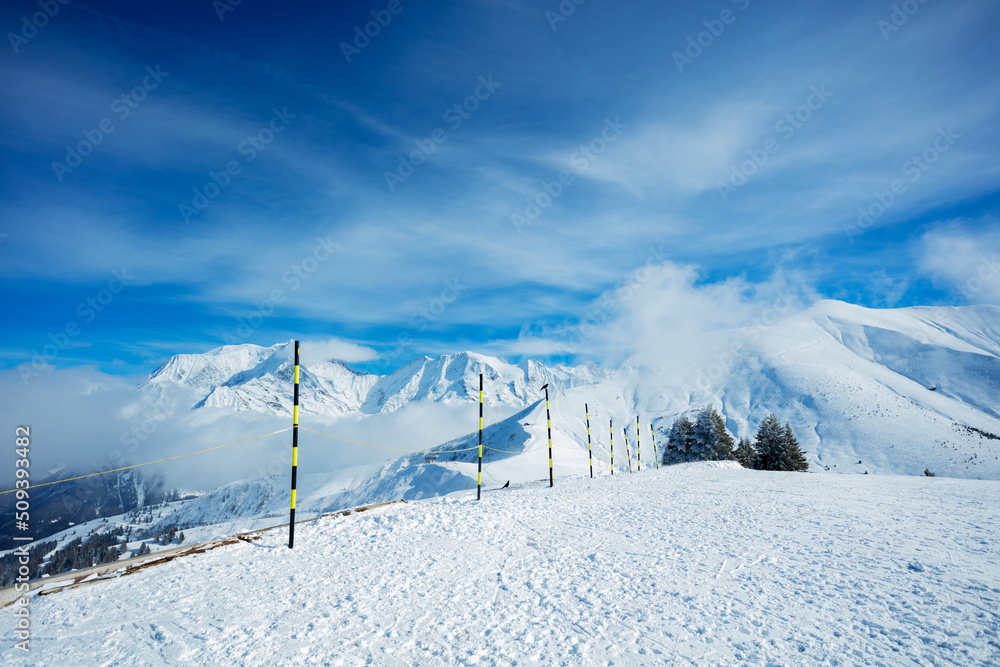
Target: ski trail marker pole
[[479, 483], [295, 448], [590, 452], [638, 445], [656, 457], [548, 419], [628, 453]]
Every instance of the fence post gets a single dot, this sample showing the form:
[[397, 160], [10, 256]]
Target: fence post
[[548, 419], [590, 452], [638, 445], [656, 456], [479, 484], [295, 448], [628, 454]]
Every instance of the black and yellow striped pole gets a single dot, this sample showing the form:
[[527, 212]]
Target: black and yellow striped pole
[[590, 452], [628, 454], [638, 445], [295, 447], [656, 456], [479, 483], [548, 419], [612, 447]]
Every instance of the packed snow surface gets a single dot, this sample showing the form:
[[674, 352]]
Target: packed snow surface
[[693, 564]]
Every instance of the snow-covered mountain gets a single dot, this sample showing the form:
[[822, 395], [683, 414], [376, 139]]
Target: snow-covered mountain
[[876, 391], [250, 377], [899, 390]]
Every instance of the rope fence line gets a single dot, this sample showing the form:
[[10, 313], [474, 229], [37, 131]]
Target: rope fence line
[[417, 451], [266, 435], [137, 465], [328, 435], [393, 449]]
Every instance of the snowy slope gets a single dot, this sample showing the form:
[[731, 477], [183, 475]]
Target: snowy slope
[[877, 391], [695, 564], [894, 389], [515, 451], [249, 377], [456, 378]]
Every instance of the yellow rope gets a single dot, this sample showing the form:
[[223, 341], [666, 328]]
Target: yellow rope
[[230, 444], [394, 449], [169, 458]]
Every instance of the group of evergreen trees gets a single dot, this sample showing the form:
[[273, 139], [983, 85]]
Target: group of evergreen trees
[[10, 564], [707, 439], [704, 439], [99, 548]]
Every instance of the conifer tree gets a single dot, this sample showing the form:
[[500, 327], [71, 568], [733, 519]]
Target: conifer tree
[[721, 442], [792, 457], [769, 443], [745, 453], [679, 441], [701, 436]]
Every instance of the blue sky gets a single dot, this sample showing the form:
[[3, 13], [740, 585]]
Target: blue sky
[[256, 185]]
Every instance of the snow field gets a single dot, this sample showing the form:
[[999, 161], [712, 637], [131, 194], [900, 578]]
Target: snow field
[[699, 563]]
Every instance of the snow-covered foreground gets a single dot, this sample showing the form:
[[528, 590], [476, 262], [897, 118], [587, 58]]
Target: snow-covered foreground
[[702, 563]]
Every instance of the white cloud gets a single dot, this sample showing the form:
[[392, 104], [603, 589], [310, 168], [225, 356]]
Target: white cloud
[[661, 312], [316, 350], [963, 255]]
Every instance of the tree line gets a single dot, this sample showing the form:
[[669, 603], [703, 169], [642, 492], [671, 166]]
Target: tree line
[[706, 438], [100, 547]]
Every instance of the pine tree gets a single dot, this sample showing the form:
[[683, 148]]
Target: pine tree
[[769, 443], [792, 457], [745, 453], [710, 441], [679, 441], [721, 443], [701, 436]]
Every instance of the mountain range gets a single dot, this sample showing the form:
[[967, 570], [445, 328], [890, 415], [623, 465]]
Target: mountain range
[[870, 391]]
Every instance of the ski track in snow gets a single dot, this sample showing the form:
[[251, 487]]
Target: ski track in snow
[[693, 564]]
